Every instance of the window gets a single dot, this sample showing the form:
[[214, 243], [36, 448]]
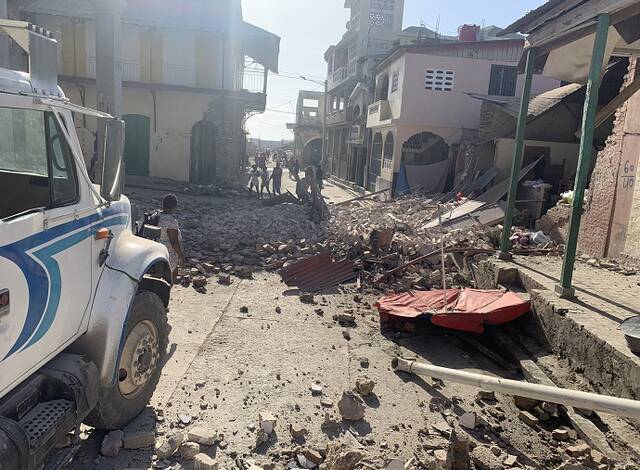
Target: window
[[63, 175], [36, 164], [376, 155], [503, 80], [387, 161], [439, 80], [394, 82]]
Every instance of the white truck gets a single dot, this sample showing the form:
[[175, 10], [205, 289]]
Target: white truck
[[83, 300]]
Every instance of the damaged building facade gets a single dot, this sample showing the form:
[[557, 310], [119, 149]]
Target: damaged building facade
[[186, 76], [422, 112], [308, 128]]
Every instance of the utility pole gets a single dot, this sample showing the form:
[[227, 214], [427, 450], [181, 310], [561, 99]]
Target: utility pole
[[4, 40], [324, 125]]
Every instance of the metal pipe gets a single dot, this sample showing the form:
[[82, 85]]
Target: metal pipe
[[562, 396], [518, 151], [584, 160]]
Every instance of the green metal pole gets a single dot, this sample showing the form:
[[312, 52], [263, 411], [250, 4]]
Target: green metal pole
[[584, 160], [516, 164]]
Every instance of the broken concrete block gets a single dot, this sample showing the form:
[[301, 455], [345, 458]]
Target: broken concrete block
[[204, 462], [139, 439], [458, 456], [297, 431], [267, 422], [560, 434], [487, 395], [199, 281], [351, 406], [528, 418], [395, 464], [202, 436], [578, 450], [484, 459], [440, 456], [313, 456], [261, 437], [315, 389], [524, 403], [170, 445], [510, 461], [188, 450], [365, 386], [342, 457], [112, 444], [468, 420]]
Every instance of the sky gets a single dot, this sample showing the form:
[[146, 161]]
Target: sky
[[308, 27]]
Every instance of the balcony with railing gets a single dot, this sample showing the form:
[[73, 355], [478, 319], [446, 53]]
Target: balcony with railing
[[337, 117], [356, 135], [344, 73], [378, 113], [130, 69]]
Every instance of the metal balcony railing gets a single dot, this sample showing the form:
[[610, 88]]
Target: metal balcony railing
[[181, 75]]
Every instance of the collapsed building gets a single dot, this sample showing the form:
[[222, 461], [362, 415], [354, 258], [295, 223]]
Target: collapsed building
[[309, 127]]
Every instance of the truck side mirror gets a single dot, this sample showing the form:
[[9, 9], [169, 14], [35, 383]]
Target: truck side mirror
[[113, 168]]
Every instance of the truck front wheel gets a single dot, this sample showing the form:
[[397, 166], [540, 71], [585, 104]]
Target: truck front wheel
[[138, 371]]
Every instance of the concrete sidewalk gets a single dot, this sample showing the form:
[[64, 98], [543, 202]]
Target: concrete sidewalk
[[584, 330]]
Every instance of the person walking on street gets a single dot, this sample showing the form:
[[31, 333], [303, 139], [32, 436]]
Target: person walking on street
[[170, 235], [276, 176], [319, 176], [264, 182], [254, 180], [295, 169]]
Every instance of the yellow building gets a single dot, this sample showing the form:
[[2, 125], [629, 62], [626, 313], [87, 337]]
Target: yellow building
[[192, 70]]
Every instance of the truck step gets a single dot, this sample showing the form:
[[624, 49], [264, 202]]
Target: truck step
[[47, 419]]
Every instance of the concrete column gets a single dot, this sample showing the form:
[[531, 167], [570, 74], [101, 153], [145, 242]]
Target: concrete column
[[108, 60], [4, 41], [108, 64]]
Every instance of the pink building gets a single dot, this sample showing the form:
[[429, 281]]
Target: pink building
[[422, 112]]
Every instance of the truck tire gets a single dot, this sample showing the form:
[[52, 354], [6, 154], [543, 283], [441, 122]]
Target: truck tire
[[138, 370]]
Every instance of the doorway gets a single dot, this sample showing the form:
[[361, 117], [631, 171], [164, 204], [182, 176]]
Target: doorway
[[136, 144], [202, 168]]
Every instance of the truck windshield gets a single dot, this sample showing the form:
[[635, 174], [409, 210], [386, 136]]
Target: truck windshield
[[36, 168]]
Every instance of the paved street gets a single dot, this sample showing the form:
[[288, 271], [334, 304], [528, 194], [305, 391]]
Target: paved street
[[254, 347]]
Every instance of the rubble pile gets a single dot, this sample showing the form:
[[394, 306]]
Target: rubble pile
[[386, 235]]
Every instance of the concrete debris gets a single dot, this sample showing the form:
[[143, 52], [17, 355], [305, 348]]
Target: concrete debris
[[524, 403], [297, 431], [351, 406], [316, 389], [204, 462], [112, 444], [458, 457], [578, 450], [202, 436], [188, 450], [313, 456], [267, 422], [528, 418], [139, 439], [484, 459], [261, 437], [395, 464], [468, 420], [365, 386], [171, 444], [342, 457], [560, 434], [487, 395]]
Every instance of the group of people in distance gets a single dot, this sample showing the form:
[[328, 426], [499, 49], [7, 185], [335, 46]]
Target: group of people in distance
[[261, 180]]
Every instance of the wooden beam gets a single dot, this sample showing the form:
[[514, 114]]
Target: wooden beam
[[607, 110]]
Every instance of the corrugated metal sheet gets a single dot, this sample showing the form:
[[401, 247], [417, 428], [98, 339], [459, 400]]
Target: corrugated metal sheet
[[318, 272]]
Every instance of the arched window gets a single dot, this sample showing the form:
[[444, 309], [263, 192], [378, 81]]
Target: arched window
[[424, 149], [388, 151]]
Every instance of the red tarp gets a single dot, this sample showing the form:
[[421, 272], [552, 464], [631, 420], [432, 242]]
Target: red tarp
[[466, 310]]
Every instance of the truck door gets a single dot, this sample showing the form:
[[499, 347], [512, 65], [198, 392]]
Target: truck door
[[45, 243]]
